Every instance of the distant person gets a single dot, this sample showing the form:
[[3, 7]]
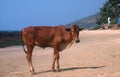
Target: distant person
[[108, 21]]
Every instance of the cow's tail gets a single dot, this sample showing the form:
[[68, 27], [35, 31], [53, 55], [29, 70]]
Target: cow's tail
[[23, 43]]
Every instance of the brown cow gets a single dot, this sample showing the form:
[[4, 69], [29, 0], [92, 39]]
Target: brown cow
[[57, 37]]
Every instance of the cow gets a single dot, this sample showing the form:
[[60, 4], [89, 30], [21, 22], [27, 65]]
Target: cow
[[58, 37]]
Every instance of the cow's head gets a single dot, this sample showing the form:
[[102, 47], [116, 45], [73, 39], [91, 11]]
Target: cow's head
[[75, 32]]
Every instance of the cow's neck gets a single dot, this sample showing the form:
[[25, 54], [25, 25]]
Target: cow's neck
[[71, 41]]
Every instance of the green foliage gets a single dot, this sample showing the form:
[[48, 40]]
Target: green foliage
[[113, 21], [110, 9], [9, 39], [10, 42], [96, 27]]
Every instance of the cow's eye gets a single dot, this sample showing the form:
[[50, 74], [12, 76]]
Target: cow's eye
[[72, 31]]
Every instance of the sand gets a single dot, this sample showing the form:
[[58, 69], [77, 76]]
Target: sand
[[97, 55]]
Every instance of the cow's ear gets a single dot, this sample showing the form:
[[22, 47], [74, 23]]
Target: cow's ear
[[68, 29], [81, 29]]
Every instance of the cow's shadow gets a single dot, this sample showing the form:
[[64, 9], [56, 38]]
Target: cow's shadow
[[72, 68], [75, 68]]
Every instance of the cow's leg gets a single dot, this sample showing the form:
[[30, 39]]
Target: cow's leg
[[29, 58], [53, 65], [55, 57]]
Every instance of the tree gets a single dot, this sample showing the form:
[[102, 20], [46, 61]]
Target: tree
[[110, 9]]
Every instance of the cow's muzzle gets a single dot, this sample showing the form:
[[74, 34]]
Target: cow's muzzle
[[77, 41]]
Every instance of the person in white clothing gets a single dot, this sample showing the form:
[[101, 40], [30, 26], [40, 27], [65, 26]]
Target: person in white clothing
[[108, 21]]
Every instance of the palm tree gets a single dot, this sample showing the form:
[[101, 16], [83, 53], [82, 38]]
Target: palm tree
[[110, 9], [114, 6]]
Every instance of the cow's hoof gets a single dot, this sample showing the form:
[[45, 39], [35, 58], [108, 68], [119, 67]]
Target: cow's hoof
[[58, 70], [53, 70], [33, 72]]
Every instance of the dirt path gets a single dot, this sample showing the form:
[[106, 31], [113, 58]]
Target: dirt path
[[97, 55]]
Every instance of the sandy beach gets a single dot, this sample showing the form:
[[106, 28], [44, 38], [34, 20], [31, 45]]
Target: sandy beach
[[97, 55]]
